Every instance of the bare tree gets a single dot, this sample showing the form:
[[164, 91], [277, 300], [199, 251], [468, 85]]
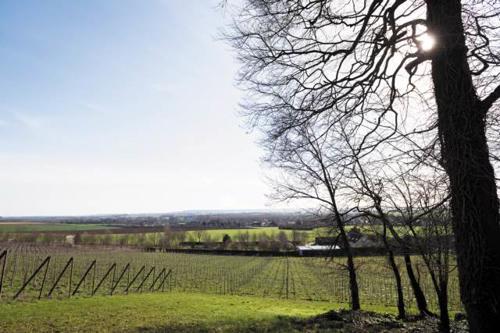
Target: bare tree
[[312, 171], [167, 237], [391, 259], [200, 235], [179, 237], [366, 63], [263, 240], [420, 201], [283, 240], [298, 237], [367, 182], [243, 239], [207, 237], [427, 216]]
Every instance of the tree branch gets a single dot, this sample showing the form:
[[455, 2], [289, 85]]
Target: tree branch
[[492, 98]]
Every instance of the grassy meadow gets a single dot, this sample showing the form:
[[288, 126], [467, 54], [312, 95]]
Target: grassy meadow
[[166, 312]]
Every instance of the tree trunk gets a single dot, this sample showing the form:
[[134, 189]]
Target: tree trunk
[[474, 201], [397, 276], [417, 290], [353, 284], [415, 286], [444, 317], [353, 281], [399, 286]]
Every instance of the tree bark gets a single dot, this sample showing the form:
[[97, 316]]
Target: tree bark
[[397, 277], [417, 290], [444, 317], [395, 271], [353, 281], [415, 285], [474, 200]]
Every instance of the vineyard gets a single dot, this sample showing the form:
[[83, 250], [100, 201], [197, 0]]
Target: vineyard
[[29, 272]]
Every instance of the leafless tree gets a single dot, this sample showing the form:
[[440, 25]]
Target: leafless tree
[[313, 171], [179, 237], [435, 247], [283, 240], [419, 199], [207, 237], [391, 259], [298, 237], [243, 239], [167, 237], [200, 235], [370, 65], [426, 215], [367, 182]]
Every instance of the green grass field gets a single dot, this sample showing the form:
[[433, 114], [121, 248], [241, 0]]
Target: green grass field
[[211, 235], [48, 227], [217, 234], [166, 312], [184, 312]]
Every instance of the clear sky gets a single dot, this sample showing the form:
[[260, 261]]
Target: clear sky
[[120, 106]]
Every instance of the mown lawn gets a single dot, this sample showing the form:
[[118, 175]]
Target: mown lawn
[[167, 312]]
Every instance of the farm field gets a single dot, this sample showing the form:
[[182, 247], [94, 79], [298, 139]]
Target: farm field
[[153, 238], [216, 235], [99, 234], [219, 233], [49, 227], [117, 271]]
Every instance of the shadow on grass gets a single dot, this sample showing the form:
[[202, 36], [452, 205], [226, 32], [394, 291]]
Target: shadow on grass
[[342, 321], [278, 324]]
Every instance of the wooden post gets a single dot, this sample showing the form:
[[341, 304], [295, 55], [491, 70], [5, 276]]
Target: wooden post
[[4, 257], [44, 277], [83, 277], [70, 262], [147, 276], [126, 269], [135, 278], [163, 281], [156, 279], [32, 277], [70, 282], [112, 267]]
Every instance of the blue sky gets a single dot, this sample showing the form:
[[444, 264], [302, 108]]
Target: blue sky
[[120, 106]]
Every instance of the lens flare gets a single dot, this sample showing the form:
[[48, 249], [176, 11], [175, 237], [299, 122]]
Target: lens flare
[[427, 42]]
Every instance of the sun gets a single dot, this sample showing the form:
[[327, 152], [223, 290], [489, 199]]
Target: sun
[[426, 42]]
